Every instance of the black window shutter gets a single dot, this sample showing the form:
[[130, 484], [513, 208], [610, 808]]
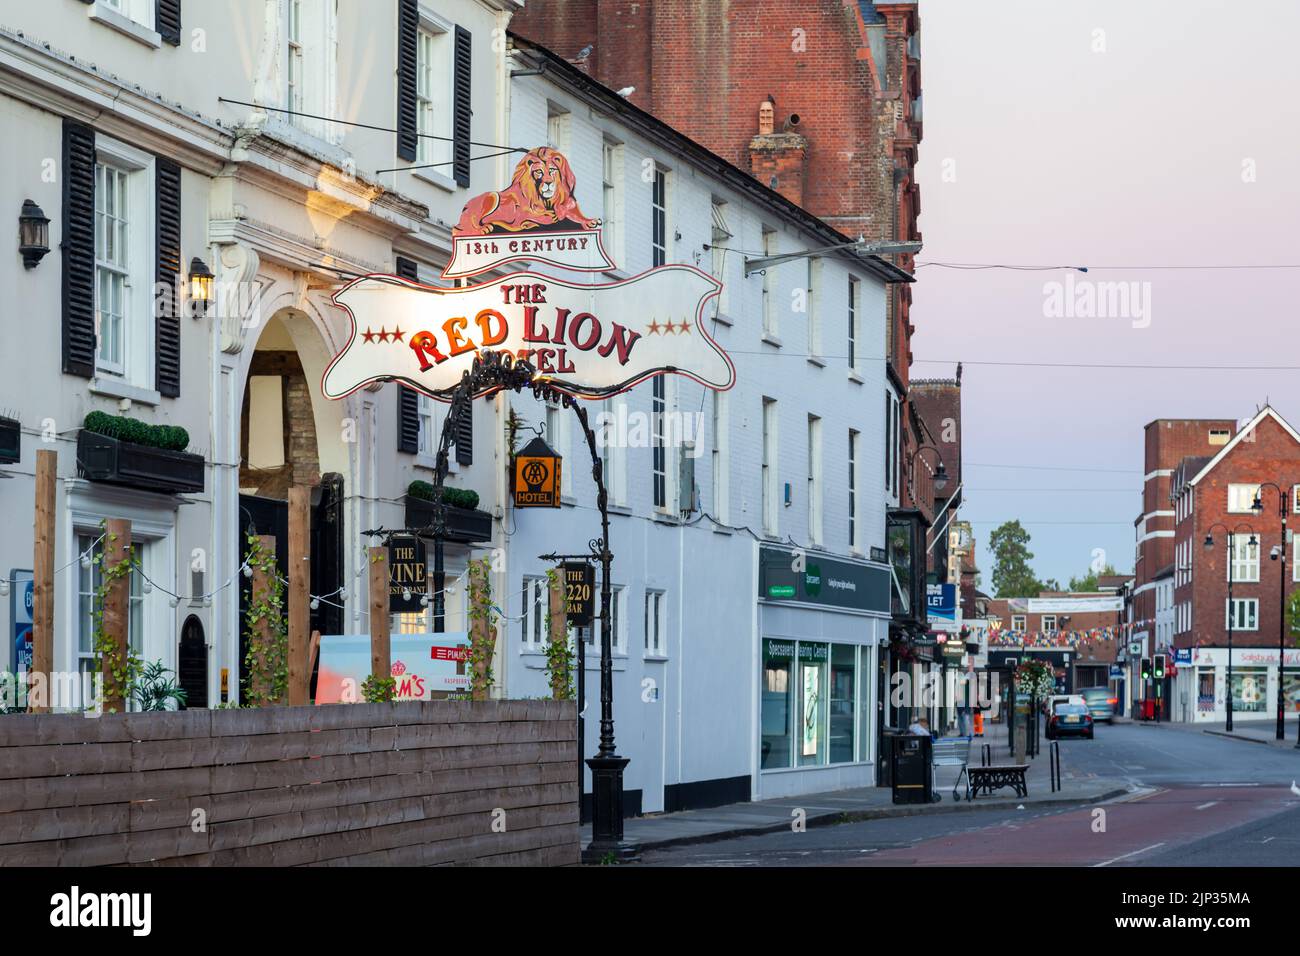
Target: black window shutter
[[167, 20], [78, 248], [461, 107], [408, 399], [465, 436], [167, 323], [408, 27]]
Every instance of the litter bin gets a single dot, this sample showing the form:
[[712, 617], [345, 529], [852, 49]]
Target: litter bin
[[1149, 708], [911, 772]]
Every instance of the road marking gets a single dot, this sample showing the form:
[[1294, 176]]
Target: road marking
[[1206, 806], [1227, 785], [1127, 855]]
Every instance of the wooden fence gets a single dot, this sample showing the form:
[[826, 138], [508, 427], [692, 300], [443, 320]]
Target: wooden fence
[[412, 783]]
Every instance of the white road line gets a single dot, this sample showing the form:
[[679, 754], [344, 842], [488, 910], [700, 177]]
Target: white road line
[[1127, 855], [1227, 785], [1206, 806]]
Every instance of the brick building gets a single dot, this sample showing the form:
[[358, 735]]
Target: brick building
[[1078, 633], [819, 100], [1213, 500], [1168, 442]]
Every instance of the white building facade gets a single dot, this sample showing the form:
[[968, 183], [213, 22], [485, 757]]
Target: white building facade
[[748, 612]]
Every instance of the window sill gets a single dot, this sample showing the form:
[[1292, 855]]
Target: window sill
[[113, 388], [431, 462], [123, 24], [727, 531], [723, 319], [855, 378], [618, 509], [568, 501], [816, 360], [770, 339], [654, 659], [436, 179]]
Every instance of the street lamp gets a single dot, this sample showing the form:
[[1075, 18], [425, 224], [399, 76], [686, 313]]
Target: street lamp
[[940, 472], [1258, 507], [1232, 611]]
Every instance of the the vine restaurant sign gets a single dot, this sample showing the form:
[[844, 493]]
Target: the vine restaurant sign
[[590, 340]]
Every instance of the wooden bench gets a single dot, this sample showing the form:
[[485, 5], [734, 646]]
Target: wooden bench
[[952, 752], [989, 779]]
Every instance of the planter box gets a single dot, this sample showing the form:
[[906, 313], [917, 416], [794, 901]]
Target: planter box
[[11, 439], [464, 525], [101, 458]]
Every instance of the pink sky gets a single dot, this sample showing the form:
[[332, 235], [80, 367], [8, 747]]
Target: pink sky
[[1130, 157]]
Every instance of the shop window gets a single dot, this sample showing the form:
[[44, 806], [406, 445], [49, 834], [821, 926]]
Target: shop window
[[842, 681], [1250, 690], [813, 680], [777, 704], [1205, 690]]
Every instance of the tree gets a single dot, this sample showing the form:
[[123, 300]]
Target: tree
[[1012, 575], [1089, 581]]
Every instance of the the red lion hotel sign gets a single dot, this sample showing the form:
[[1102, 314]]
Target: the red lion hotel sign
[[591, 340]]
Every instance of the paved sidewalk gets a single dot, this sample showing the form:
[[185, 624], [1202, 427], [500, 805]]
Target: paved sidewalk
[[863, 803], [1252, 730]]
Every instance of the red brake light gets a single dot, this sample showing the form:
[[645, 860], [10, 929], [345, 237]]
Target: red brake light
[[1113, 701]]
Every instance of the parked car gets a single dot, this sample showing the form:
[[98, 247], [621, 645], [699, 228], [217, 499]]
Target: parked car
[[1101, 703], [1069, 720], [1051, 703]]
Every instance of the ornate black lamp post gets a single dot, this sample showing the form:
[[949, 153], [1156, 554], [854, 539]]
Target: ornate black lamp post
[[1232, 611]]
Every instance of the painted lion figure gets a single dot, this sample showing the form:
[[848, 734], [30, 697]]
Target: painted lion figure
[[540, 195]]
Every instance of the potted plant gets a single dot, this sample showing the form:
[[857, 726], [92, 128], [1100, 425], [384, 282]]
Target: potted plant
[[465, 523], [124, 451]]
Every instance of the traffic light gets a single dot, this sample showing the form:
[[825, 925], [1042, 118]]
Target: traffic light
[[1146, 669], [1160, 667]]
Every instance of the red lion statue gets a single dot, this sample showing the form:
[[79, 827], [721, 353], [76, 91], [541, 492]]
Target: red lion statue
[[540, 195]]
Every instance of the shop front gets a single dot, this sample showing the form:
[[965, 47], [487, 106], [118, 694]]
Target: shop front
[[1201, 686], [820, 623]]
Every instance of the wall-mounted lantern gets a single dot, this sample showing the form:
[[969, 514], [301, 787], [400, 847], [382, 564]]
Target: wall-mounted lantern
[[33, 234], [201, 279]]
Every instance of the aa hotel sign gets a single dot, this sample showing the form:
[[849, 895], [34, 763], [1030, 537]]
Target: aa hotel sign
[[588, 339]]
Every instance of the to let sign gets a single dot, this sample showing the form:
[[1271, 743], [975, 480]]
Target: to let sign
[[579, 592], [407, 573]]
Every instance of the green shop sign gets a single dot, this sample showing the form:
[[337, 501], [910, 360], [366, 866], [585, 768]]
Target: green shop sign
[[817, 579]]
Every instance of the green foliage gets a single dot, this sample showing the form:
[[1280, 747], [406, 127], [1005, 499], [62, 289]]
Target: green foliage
[[120, 670], [167, 437], [378, 690], [268, 650], [1012, 575], [560, 657], [153, 688], [479, 665], [1089, 581], [1035, 679], [456, 497]]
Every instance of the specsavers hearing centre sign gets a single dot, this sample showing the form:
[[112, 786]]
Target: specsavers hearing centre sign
[[588, 339]]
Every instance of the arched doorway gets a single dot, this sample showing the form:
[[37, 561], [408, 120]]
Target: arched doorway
[[192, 664], [290, 435]]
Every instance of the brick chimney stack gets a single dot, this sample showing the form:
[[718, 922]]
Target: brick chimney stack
[[778, 159]]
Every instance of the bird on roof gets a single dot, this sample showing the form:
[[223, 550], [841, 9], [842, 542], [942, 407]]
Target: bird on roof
[[584, 52]]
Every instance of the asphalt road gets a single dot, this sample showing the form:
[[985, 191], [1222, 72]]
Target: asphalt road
[[1204, 801]]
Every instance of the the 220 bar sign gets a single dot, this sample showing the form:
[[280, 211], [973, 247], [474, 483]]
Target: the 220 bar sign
[[579, 592]]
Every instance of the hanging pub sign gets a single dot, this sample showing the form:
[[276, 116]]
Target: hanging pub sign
[[407, 574], [579, 592], [536, 476], [591, 340]]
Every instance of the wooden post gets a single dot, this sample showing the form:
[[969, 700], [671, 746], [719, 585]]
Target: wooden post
[[481, 635], [43, 573], [117, 612], [299, 599], [559, 620], [381, 655], [261, 680]]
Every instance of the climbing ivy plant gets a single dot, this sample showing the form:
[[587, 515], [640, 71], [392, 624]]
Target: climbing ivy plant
[[268, 646], [560, 658], [378, 690], [119, 669], [482, 630]]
